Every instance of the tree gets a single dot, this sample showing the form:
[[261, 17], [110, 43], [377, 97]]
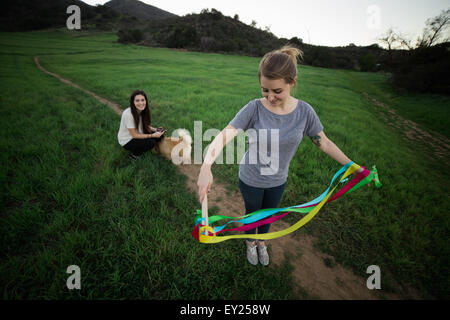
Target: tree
[[423, 68], [390, 38], [404, 41], [253, 24], [216, 12], [297, 41], [434, 32]]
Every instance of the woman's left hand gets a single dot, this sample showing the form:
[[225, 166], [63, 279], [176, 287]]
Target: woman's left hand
[[358, 171], [158, 134]]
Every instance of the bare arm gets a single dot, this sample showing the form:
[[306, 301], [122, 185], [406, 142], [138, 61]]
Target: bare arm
[[205, 178], [137, 135], [219, 142], [327, 146]]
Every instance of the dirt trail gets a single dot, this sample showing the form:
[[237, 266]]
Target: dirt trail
[[114, 106], [437, 144], [310, 272]]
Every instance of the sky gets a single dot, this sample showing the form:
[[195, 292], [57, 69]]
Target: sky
[[319, 22]]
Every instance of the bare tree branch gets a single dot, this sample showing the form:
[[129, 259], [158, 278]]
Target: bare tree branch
[[434, 31], [390, 38]]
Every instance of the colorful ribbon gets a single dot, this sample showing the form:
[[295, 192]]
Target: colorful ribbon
[[208, 234]]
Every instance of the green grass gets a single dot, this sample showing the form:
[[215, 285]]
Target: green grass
[[71, 196], [431, 111]]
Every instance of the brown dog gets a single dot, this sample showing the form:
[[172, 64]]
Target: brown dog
[[178, 148]]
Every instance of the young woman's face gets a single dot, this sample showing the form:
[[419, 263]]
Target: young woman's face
[[140, 102], [275, 91]]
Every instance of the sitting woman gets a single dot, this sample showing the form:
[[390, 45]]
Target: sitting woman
[[135, 133]]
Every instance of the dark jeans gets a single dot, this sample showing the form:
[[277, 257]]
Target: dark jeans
[[260, 198], [139, 146]]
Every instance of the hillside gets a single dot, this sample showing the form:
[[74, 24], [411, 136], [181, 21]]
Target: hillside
[[139, 9], [30, 15], [211, 31], [27, 15]]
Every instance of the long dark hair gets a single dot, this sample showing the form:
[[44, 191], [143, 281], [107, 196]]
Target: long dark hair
[[145, 114]]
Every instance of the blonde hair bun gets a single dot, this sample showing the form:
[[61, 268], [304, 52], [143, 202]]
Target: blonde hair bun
[[280, 64], [292, 51]]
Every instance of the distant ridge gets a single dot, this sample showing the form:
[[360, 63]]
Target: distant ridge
[[25, 15], [139, 10]]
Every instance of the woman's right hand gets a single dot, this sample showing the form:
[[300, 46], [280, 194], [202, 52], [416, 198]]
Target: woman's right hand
[[204, 182]]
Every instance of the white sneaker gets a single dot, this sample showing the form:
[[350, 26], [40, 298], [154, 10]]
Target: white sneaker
[[263, 255], [252, 255]]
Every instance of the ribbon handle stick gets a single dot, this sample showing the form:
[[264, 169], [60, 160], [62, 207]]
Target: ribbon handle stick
[[205, 210]]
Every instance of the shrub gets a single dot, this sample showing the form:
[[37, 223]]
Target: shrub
[[424, 70], [367, 62], [130, 36]]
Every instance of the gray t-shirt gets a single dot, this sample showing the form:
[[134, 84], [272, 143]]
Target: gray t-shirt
[[273, 140]]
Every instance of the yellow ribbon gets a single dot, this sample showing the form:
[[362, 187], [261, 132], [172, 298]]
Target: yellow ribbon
[[203, 236]]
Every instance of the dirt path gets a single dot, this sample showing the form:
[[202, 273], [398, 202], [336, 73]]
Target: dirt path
[[310, 272], [114, 106], [437, 144]]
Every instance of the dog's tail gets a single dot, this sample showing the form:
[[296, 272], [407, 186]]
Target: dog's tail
[[184, 135]]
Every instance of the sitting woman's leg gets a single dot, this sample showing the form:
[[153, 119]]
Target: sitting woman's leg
[[139, 146]]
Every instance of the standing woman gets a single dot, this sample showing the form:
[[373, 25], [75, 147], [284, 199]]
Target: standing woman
[[282, 121], [135, 133]]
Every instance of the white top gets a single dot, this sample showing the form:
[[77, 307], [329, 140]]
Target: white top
[[127, 122]]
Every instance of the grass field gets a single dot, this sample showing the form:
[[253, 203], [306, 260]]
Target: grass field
[[71, 196]]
